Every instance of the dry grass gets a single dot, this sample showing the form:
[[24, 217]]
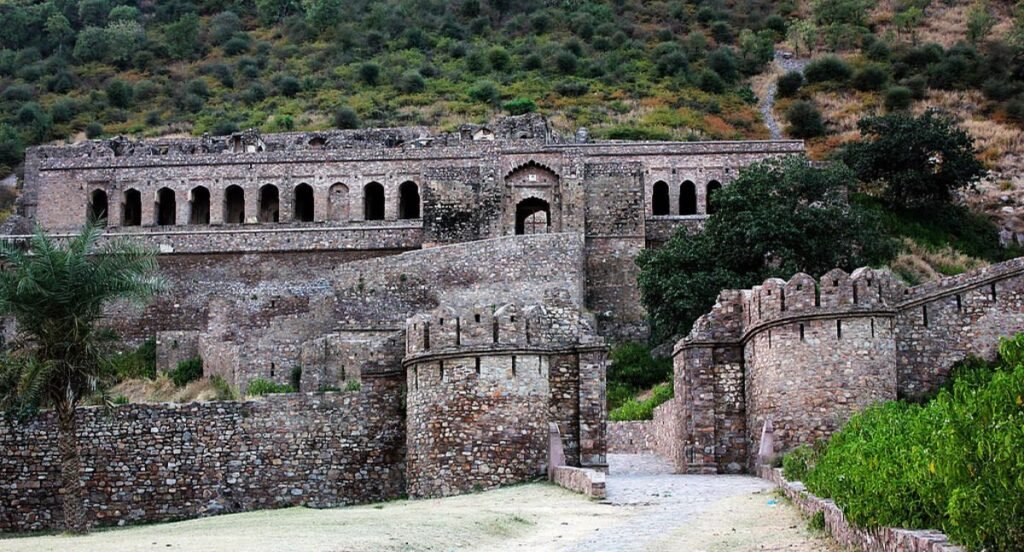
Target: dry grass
[[944, 22], [162, 389], [916, 264]]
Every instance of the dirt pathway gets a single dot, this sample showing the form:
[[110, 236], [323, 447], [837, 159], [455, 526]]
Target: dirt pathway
[[647, 509], [783, 63]]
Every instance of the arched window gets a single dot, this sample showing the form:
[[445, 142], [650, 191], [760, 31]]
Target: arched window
[[304, 203], [533, 216], [199, 205], [234, 205], [373, 201], [709, 199], [131, 208], [98, 206], [166, 207], [408, 200], [687, 198], [338, 200], [269, 204], [659, 199]]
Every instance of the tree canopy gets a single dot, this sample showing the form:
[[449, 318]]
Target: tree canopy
[[778, 217], [919, 161]]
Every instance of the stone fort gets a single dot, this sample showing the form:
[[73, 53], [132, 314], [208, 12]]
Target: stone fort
[[463, 288]]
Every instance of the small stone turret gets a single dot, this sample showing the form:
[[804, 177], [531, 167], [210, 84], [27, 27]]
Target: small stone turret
[[483, 385]]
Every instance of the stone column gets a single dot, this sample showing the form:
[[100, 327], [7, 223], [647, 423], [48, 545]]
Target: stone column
[[592, 405]]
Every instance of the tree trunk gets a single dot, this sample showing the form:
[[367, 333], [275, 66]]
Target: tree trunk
[[70, 471]]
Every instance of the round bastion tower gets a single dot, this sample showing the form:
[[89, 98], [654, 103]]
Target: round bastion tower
[[484, 383]]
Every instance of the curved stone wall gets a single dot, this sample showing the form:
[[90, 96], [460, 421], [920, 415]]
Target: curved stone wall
[[484, 383]]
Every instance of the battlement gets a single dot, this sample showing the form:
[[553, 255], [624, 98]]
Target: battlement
[[481, 329]]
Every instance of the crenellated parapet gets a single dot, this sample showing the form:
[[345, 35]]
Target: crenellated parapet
[[805, 353]]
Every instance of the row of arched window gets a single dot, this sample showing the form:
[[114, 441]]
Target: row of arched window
[[661, 204], [165, 207]]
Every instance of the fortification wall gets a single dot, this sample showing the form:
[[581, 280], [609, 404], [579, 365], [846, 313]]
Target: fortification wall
[[809, 353], [488, 382], [149, 463]]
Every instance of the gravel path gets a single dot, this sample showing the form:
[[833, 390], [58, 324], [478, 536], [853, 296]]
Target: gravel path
[[785, 62], [661, 502]]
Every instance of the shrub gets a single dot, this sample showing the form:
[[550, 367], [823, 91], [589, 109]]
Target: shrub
[[498, 58], [633, 365], [93, 130], [198, 87], [566, 62], [519, 106], [710, 82], [918, 86], [187, 371], [138, 363], [797, 462], [633, 409], [572, 88], [411, 82], [898, 98], [790, 83], [223, 390], [871, 77], [259, 387], [353, 385], [804, 120], [1015, 109], [237, 45], [224, 127], [827, 68], [346, 118], [953, 464], [485, 91], [369, 73], [289, 86], [18, 93], [63, 110], [120, 93]]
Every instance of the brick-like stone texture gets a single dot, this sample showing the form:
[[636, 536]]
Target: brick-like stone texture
[[146, 463], [806, 354]]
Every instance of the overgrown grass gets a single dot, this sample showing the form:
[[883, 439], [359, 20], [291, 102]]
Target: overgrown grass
[[633, 370], [953, 464], [634, 409], [259, 387]]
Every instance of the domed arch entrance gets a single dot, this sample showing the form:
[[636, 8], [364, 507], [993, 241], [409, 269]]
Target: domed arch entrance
[[533, 216]]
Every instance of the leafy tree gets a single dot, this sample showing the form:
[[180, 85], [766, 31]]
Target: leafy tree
[[36, 122], [223, 26], [411, 82], [57, 292], [11, 148], [124, 39], [92, 44], [272, 11], [181, 36], [920, 161], [566, 62], [323, 14], [779, 217], [979, 21], [93, 12], [498, 58], [485, 91], [828, 68], [123, 13], [289, 86], [804, 120], [723, 62], [59, 31], [870, 77]]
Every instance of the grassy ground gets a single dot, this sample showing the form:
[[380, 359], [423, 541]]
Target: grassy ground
[[527, 517]]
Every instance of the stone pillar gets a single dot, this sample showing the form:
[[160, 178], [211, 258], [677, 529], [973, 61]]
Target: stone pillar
[[148, 196], [217, 204], [698, 401], [593, 418], [252, 203]]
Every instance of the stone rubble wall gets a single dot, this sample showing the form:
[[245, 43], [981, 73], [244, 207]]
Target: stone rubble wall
[[659, 435], [150, 463], [880, 539]]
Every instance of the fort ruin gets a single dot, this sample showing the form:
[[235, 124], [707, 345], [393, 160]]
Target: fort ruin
[[468, 284]]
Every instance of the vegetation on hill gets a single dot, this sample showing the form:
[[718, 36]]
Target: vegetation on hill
[[627, 69], [953, 464]]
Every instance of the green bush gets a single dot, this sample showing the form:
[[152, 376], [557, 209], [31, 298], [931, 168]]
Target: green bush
[[790, 83], [633, 409], [898, 98], [353, 385], [346, 118], [519, 106], [954, 464], [828, 68], [138, 363], [411, 82], [93, 130], [259, 387], [797, 462], [223, 389], [187, 371], [485, 91], [804, 120], [633, 365], [871, 77]]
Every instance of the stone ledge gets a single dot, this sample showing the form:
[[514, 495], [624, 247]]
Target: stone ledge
[[879, 539], [581, 480]]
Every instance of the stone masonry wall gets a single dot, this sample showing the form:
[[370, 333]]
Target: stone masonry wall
[[148, 463]]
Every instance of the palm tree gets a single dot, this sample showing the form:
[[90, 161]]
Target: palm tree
[[56, 291]]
